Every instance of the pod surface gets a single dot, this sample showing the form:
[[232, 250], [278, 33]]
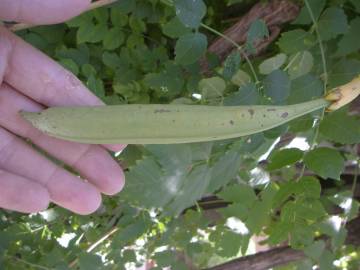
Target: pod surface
[[163, 124]]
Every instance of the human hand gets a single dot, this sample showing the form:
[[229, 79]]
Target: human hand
[[30, 81]]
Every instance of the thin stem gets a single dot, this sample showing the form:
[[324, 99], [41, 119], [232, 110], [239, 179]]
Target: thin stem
[[322, 51], [96, 244], [313, 143], [100, 3], [356, 174], [323, 58], [292, 61], [237, 46], [94, 5]]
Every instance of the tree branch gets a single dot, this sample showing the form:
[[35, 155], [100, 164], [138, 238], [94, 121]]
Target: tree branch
[[283, 255], [274, 13]]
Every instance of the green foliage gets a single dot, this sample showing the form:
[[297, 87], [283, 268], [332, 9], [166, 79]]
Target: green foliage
[[283, 158], [153, 52], [273, 63], [190, 12], [277, 86], [326, 162], [190, 47]]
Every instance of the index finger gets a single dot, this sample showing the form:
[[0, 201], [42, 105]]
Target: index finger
[[41, 11], [42, 79]]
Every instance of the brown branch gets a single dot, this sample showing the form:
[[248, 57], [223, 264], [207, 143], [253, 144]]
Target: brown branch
[[274, 13], [283, 255]]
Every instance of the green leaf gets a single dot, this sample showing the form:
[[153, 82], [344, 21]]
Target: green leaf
[[168, 82], [89, 261], [316, 6], [272, 64], [295, 41], [237, 210], [118, 18], [356, 4], [305, 88], [315, 250], [308, 187], [284, 157], [70, 65], [240, 78], [224, 170], [231, 65], [174, 28], [326, 162], [301, 124], [257, 32], [190, 47], [259, 216], [339, 239], [302, 63], [247, 94], [125, 6], [80, 56], [190, 12], [147, 176], [137, 25], [101, 15], [113, 39], [343, 72], [310, 209], [164, 258], [277, 86], [111, 60], [279, 232], [240, 193], [89, 32], [229, 244], [326, 260], [332, 23], [212, 88], [130, 233], [340, 127], [194, 186], [301, 235], [283, 194], [350, 42]]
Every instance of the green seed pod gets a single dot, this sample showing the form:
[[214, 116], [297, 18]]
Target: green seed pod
[[163, 124]]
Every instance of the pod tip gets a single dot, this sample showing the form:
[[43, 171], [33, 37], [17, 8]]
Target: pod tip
[[343, 95], [30, 117]]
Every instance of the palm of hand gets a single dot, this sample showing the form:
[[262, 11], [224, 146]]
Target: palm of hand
[[30, 81]]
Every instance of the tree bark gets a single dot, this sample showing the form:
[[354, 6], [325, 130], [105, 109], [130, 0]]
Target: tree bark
[[274, 14], [283, 255]]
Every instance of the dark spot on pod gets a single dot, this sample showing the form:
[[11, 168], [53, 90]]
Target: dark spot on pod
[[231, 122], [271, 110], [161, 111], [264, 115], [284, 115], [251, 111], [354, 88], [242, 115], [173, 121]]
